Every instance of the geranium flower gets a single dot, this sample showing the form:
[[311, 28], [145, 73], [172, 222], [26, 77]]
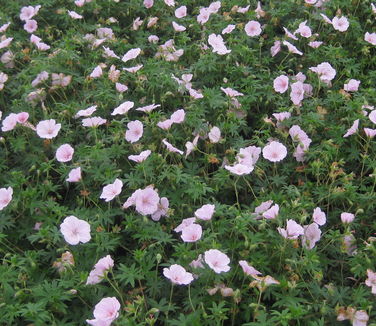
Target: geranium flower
[[10, 122], [311, 235], [368, 37], [31, 26], [64, 153], [370, 132], [197, 263], [292, 48], [172, 148], [228, 29], [135, 131], [231, 92], [48, 129], [192, 233], [75, 230], [216, 41], [274, 152], [41, 77], [281, 84], [131, 54], [6, 42], [262, 282], [93, 122], [293, 230], [259, 12], [248, 269], [99, 270], [325, 72], [214, 135], [217, 260], [147, 201], [347, 218], [123, 108], [6, 195], [319, 216], [74, 15], [272, 212], [148, 3], [205, 212], [372, 116], [371, 280], [178, 275], [240, 169], [87, 112], [148, 108], [29, 12], [74, 175], [178, 28], [352, 85], [253, 28], [353, 129], [304, 30], [275, 48], [185, 223], [178, 116], [112, 190], [340, 24], [140, 157], [166, 124], [181, 12], [97, 72], [105, 312], [162, 209]]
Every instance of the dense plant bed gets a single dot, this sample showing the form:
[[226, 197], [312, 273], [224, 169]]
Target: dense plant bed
[[187, 162]]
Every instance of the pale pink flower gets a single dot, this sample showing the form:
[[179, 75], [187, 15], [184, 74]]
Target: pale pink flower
[[4, 27], [79, 3], [74, 175], [240, 169], [112, 190], [40, 78], [64, 153], [147, 201], [135, 131], [228, 29], [152, 21], [368, 37], [93, 122], [326, 19], [190, 146], [281, 84], [121, 88], [214, 135], [31, 26], [360, 318], [172, 148], [371, 280], [170, 3], [340, 24], [347, 218], [217, 260], [274, 152], [10, 122], [178, 275], [153, 39], [105, 312], [137, 23], [48, 129], [123, 108], [75, 230], [312, 234], [131, 54], [319, 216], [214, 7], [148, 108], [231, 92], [195, 94], [108, 53], [185, 223], [293, 230], [181, 12], [310, 2], [263, 207], [353, 129], [289, 34], [253, 28], [97, 72], [292, 48], [22, 117], [6, 42], [29, 12], [100, 269], [140, 157], [304, 30], [259, 12], [165, 125], [74, 15], [315, 44], [216, 41], [352, 85], [148, 3], [6, 195], [205, 212], [7, 58], [105, 33], [87, 112], [134, 69], [198, 263], [297, 93], [60, 79], [178, 116], [275, 48], [272, 212], [162, 209], [300, 77], [192, 233], [372, 116], [248, 269], [370, 132], [325, 71], [281, 116], [178, 28]]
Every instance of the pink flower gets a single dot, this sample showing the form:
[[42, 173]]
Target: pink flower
[[248, 155], [148, 3], [3, 28], [289, 34], [217, 260], [272, 212], [105, 312], [216, 41], [263, 207], [304, 30], [6, 42], [178, 275], [352, 85], [93, 122], [123, 108], [248, 269], [275, 48], [205, 212], [29, 12], [169, 3], [165, 125], [131, 54], [228, 29], [31, 26], [64, 153], [192, 233], [292, 48], [214, 135], [371, 280], [108, 53], [312, 234], [48, 129], [360, 318], [121, 88], [252, 28], [140, 157], [110, 191], [281, 116], [293, 230], [172, 148], [162, 209], [87, 112], [370, 132], [340, 24], [281, 84], [147, 201], [148, 108], [153, 39], [297, 93], [178, 116], [315, 44], [274, 152], [353, 129], [347, 218], [5, 197], [325, 72], [259, 12], [74, 175], [99, 270], [75, 230], [22, 117], [178, 28], [135, 131], [240, 169], [198, 263], [372, 116], [40, 78], [74, 15], [319, 216], [370, 38], [181, 12], [97, 72], [231, 92], [184, 224], [10, 122]]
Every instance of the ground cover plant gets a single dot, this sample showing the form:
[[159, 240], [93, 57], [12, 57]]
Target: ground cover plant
[[187, 162]]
